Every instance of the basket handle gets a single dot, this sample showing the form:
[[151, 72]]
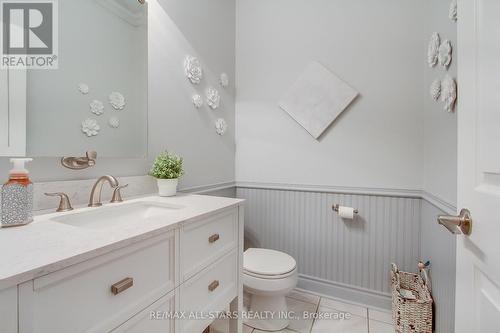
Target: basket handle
[[395, 275]]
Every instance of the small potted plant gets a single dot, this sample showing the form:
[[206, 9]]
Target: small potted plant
[[167, 169]]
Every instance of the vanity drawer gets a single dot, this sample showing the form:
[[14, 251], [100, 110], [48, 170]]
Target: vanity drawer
[[202, 243], [89, 297], [210, 290], [153, 319]]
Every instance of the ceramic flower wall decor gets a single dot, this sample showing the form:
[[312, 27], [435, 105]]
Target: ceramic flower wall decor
[[193, 69], [224, 80], [453, 15], [197, 101], [432, 51], [220, 126], [90, 127], [114, 122], [117, 100], [97, 107], [436, 89], [213, 98], [83, 88], [444, 54], [449, 93]]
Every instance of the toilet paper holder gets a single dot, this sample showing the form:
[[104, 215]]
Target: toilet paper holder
[[336, 208]]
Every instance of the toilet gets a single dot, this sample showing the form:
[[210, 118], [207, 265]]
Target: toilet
[[268, 276]]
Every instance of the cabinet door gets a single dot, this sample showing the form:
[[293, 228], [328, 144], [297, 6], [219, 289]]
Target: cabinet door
[[8, 310], [12, 112], [153, 319], [100, 294]]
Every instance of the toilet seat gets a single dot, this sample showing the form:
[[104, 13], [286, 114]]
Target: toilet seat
[[268, 276], [268, 264]]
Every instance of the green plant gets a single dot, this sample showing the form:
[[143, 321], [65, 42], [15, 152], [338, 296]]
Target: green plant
[[167, 166]]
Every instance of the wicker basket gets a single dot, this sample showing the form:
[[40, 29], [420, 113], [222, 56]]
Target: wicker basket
[[410, 315]]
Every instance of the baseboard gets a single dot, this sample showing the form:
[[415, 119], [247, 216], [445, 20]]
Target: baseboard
[[345, 292]]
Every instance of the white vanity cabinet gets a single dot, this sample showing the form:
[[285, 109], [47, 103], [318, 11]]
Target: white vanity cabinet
[[8, 310], [142, 287]]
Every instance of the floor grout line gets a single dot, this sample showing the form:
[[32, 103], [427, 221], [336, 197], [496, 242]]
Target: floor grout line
[[317, 311], [368, 320]]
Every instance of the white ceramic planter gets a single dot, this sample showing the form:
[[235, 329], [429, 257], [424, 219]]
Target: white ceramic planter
[[167, 187]]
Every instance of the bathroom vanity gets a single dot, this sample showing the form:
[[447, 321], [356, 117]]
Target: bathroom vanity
[[146, 265]]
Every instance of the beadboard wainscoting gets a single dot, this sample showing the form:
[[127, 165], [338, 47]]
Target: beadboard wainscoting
[[347, 259], [439, 246], [350, 259]]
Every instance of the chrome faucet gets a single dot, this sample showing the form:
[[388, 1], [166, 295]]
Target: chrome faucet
[[95, 195]]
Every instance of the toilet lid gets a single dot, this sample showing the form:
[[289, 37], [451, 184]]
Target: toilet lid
[[268, 262]]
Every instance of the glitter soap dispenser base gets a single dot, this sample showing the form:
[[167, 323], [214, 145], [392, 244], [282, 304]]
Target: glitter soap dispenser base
[[17, 196]]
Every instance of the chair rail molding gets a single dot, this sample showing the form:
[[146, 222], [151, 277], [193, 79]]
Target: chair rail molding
[[433, 199]]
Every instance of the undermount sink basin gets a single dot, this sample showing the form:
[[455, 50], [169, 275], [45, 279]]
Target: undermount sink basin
[[125, 214]]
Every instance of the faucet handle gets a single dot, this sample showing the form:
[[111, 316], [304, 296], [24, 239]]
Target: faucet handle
[[64, 203], [117, 195]]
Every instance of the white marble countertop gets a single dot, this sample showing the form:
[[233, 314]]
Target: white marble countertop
[[45, 246]]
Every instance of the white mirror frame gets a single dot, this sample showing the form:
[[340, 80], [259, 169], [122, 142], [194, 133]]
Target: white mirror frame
[[13, 112]]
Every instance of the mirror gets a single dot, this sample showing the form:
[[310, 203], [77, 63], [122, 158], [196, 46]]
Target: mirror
[[97, 98]]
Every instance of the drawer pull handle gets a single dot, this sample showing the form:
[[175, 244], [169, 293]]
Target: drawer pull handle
[[122, 285], [214, 238], [214, 285]]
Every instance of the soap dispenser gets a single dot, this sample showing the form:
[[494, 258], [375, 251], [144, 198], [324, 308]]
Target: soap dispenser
[[17, 195]]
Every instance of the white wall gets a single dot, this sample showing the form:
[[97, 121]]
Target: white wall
[[173, 121], [440, 173], [176, 124], [440, 127], [376, 46]]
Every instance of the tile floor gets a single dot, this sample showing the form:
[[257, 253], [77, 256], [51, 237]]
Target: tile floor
[[362, 319]]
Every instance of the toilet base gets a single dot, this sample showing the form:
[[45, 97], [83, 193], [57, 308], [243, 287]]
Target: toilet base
[[268, 313]]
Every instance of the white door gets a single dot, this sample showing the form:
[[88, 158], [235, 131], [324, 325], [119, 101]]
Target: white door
[[478, 255]]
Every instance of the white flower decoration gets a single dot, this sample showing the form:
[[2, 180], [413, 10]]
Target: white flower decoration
[[224, 80], [444, 54], [213, 98], [117, 100], [197, 101], [83, 88], [114, 122], [90, 127], [220, 126], [432, 51], [97, 107], [449, 93], [193, 69], [436, 89], [453, 15]]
